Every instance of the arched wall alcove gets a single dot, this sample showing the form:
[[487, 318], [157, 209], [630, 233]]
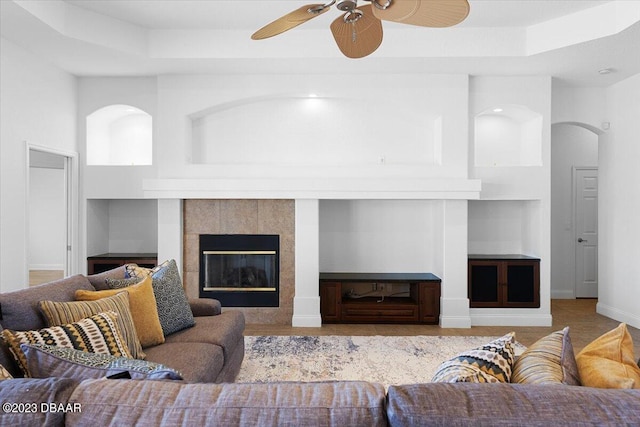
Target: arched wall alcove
[[119, 135], [508, 135], [573, 145], [315, 130]]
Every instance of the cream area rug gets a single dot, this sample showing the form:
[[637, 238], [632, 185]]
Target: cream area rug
[[383, 359]]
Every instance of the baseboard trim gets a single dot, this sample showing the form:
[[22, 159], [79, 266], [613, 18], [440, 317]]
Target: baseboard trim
[[305, 321], [619, 315], [511, 319], [46, 267]]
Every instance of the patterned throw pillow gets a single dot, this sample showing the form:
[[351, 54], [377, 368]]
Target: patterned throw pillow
[[120, 283], [143, 310], [134, 271], [550, 360], [4, 374], [173, 307], [95, 334], [61, 313], [490, 363], [44, 361]]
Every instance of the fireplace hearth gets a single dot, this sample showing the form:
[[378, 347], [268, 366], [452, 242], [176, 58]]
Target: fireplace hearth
[[240, 270]]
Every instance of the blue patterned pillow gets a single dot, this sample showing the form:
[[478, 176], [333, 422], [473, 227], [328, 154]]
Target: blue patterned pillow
[[46, 361], [173, 307], [490, 363]]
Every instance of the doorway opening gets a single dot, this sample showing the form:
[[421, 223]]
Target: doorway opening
[[574, 146], [50, 213]]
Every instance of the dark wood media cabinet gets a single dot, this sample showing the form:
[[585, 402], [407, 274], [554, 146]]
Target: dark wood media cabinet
[[103, 262], [504, 281], [380, 298]]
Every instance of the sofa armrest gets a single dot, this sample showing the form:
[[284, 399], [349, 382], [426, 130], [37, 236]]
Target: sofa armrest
[[205, 307]]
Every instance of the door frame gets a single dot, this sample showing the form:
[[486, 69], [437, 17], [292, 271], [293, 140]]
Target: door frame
[[71, 203], [574, 209]]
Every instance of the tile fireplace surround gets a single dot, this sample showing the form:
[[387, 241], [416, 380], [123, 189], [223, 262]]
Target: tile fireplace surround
[[206, 216]]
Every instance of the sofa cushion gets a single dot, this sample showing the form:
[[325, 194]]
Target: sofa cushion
[[510, 405], [98, 280], [196, 362], [60, 313], [95, 334], [54, 391], [143, 310], [45, 361], [19, 309], [173, 306], [489, 363], [548, 360], [277, 404], [609, 361], [224, 330]]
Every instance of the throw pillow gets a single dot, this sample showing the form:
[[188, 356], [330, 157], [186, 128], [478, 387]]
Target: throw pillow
[[96, 334], [46, 361], [60, 313], [143, 310], [171, 300], [609, 362], [137, 272], [548, 360], [173, 307], [490, 363], [4, 374], [121, 283]]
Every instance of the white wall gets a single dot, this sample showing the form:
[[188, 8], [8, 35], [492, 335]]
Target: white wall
[[38, 105], [381, 236], [47, 219], [571, 146], [122, 225], [619, 204]]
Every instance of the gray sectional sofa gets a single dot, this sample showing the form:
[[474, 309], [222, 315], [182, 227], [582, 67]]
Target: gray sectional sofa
[[210, 351], [341, 403]]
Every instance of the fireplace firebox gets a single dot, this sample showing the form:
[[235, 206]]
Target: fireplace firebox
[[240, 270]]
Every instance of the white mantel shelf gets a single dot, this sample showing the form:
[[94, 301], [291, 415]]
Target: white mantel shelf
[[313, 188]]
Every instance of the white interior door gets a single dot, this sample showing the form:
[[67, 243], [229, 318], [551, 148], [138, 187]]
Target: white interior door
[[586, 238]]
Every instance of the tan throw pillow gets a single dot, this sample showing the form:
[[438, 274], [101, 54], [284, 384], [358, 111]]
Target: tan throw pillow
[[609, 362], [550, 360], [61, 313], [143, 310], [95, 334]]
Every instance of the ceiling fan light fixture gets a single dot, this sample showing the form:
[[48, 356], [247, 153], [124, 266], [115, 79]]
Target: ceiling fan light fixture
[[347, 5]]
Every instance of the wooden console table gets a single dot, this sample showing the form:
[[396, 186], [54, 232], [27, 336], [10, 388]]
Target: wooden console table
[[380, 298], [103, 262]]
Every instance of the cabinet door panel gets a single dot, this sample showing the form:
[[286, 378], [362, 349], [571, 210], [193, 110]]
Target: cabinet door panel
[[330, 299], [484, 280]]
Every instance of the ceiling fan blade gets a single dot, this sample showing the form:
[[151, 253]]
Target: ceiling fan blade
[[359, 38], [290, 20], [425, 13]]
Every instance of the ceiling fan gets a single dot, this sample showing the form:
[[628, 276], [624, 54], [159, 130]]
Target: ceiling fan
[[358, 32]]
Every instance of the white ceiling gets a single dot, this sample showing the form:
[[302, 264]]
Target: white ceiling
[[253, 14], [569, 40]]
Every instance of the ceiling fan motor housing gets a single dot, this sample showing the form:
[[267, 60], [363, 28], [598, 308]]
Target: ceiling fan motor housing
[[346, 5]]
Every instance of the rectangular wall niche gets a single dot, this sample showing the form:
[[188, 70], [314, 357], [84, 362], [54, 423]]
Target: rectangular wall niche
[[240, 270]]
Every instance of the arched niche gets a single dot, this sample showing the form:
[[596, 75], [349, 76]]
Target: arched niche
[[508, 135], [315, 130], [119, 135]]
